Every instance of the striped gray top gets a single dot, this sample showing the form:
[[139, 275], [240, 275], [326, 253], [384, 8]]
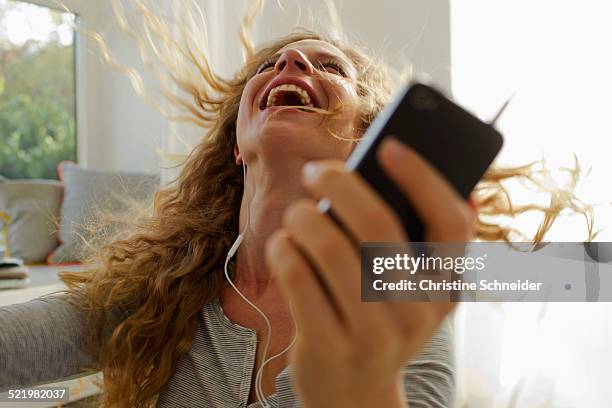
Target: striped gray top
[[42, 341]]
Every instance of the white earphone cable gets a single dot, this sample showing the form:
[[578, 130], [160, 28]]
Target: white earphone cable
[[268, 326], [258, 377]]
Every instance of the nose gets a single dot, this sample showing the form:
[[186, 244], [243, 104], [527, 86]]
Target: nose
[[293, 60]]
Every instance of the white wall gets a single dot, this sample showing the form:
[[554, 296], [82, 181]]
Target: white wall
[[117, 130], [401, 32], [414, 31], [121, 131]]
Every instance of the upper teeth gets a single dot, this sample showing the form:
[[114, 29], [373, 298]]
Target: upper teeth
[[303, 94]]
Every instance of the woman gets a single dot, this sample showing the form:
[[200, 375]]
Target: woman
[[155, 312]]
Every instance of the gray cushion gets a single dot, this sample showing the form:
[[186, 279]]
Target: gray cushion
[[87, 192], [33, 206]]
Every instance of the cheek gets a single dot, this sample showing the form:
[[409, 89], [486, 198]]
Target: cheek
[[242, 119], [349, 88], [245, 109], [343, 93]]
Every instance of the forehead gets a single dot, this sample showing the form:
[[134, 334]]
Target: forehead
[[317, 47]]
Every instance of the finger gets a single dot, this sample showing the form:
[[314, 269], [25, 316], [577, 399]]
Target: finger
[[446, 215], [357, 205], [332, 254], [443, 211], [474, 206], [359, 208], [313, 311], [473, 203]]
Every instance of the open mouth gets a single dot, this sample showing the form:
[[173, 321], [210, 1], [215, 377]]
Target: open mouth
[[288, 95]]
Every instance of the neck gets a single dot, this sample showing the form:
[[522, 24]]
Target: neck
[[267, 195]]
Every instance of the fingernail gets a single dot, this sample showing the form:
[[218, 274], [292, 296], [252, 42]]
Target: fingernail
[[310, 172]]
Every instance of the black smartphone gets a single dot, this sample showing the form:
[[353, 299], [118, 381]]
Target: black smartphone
[[454, 141]]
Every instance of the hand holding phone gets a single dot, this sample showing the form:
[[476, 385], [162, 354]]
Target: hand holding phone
[[458, 144]]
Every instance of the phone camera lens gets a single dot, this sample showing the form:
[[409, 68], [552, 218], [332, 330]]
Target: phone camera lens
[[423, 100]]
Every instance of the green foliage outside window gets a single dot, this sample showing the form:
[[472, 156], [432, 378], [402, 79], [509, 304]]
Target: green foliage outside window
[[37, 101]]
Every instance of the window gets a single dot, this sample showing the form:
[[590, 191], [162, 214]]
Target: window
[[553, 56], [37, 90]]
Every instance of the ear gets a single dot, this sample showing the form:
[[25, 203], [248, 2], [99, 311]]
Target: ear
[[237, 157]]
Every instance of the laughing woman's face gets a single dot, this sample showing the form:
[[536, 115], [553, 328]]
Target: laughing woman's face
[[304, 73]]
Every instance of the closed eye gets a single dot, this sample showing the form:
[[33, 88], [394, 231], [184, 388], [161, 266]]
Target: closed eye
[[333, 68], [266, 65], [328, 66]]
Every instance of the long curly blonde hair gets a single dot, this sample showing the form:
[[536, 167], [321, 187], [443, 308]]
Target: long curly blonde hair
[[144, 286]]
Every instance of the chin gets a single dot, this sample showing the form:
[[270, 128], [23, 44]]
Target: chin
[[284, 135], [284, 142]]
